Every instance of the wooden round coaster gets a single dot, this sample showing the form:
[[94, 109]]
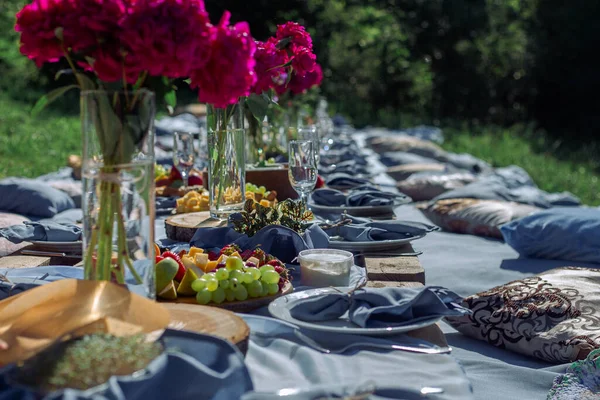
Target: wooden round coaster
[[182, 227], [211, 321], [238, 306]]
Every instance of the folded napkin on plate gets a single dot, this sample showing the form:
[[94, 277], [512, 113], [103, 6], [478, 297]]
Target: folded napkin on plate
[[361, 230], [380, 307], [345, 181], [338, 156], [361, 196], [42, 231]]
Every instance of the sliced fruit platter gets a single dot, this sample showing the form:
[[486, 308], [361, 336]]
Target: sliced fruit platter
[[232, 279]]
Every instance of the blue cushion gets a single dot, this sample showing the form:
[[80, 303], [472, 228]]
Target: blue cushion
[[564, 233], [32, 197]]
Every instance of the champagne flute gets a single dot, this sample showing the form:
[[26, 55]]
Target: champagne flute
[[302, 170], [184, 155], [311, 133]]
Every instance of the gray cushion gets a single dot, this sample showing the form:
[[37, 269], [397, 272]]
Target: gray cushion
[[32, 198]]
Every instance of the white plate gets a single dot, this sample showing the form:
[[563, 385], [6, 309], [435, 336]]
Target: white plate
[[376, 245], [279, 308], [363, 211], [63, 247]]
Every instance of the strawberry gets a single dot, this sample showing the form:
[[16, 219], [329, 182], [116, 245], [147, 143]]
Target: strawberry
[[182, 253], [212, 256], [181, 271], [195, 180], [281, 283], [274, 263], [175, 175], [246, 254], [320, 182], [279, 269]]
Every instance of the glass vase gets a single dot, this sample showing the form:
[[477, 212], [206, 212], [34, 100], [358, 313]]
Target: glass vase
[[227, 159], [118, 188], [226, 172]]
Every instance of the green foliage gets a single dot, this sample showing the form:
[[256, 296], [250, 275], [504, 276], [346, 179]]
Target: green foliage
[[540, 155], [288, 213]]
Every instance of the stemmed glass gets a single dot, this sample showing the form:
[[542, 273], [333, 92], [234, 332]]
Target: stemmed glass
[[184, 155], [302, 171], [311, 133]]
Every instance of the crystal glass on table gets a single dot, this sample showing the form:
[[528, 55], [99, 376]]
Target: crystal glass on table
[[184, 154], [311, 133], [302, 170]]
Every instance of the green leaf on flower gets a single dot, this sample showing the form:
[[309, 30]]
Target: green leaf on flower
[[283, 43], [188, 81], [171, 98], [258, 105], [50, 97], [58, 32], [86, 83]]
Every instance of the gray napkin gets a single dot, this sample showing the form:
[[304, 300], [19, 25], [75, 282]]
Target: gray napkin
[[380, 230], [363, 195], [380, 307], [42, 231], [344, 181]]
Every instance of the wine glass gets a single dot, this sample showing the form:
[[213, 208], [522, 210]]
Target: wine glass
[[311, 133], [302, 171], [184, 155]]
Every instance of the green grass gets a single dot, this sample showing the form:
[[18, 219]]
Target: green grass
[[551, 167], [30, 146]]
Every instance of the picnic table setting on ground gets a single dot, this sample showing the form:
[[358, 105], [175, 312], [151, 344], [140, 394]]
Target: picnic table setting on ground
[[252, 250]]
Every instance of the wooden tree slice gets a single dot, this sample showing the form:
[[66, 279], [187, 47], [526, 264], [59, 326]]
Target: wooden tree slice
[[211, 321], [238, 306], [182, 227]]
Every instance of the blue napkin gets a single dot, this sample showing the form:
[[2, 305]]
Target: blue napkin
[[277, 240], [380, 307], [194, 366], [42, 231], [346, 167], [364, 195], [344, 181], [367, 231], [338, 156]]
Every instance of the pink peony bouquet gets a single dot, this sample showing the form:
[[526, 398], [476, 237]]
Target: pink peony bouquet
[[129, 40]]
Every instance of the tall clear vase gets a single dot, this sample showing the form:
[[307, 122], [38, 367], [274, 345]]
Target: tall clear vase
[[118, 187], [227, 162]]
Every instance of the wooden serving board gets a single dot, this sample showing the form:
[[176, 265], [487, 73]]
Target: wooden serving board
[[236, 306], [182, 227], [211, 321]]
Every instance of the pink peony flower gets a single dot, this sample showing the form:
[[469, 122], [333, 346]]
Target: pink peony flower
[[304, 61], [163, 36], [81, 23], [295, 33], [301, 83], [228, 73], [38, 22], [268, 70], [109, 64]]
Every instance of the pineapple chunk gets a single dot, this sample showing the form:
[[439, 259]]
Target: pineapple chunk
[[253, 260], [265, 203], [201, 260], [194, 251]]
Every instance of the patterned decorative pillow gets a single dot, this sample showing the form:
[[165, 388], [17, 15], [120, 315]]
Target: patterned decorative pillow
[[473, 216], [421, 188], [402, 172], [554, 316]]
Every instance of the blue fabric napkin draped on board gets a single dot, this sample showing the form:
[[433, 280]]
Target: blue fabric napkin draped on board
[[345, 167], [344, 181], [361, 196], [193, 367], [361, 230], [380, 307], [43, 231], [281, 242]]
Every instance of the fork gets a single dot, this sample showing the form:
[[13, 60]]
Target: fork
[[316, 346]]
